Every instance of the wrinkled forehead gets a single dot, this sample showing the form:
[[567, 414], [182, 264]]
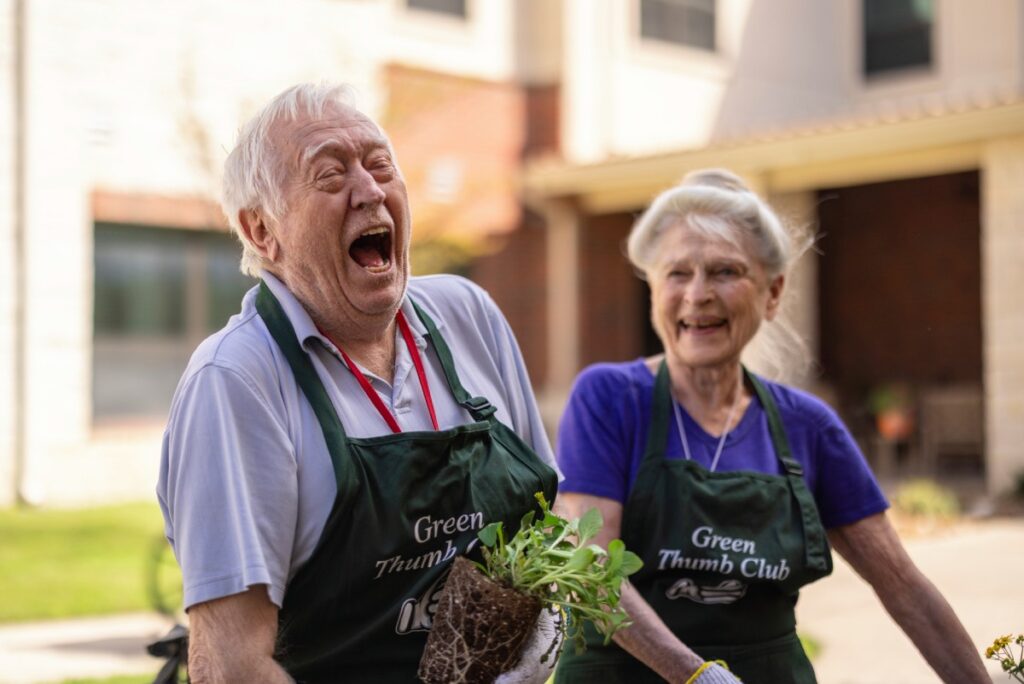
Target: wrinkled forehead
[[708, 234], [339, 128]]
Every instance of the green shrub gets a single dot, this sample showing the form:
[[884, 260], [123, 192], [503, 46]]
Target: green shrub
[[926, 498], [812, 647]]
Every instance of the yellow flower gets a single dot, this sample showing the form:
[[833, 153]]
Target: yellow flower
[[1001, 642]]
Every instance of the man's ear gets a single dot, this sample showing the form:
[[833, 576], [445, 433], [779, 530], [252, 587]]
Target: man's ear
[[775, 296], [254, 226]]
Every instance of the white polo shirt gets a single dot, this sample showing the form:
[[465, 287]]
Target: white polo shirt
[[246, 482]]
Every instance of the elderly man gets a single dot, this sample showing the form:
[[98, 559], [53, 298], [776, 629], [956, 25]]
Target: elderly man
[[345, 436]]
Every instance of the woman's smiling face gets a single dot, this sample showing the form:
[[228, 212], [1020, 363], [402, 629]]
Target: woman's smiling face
[[708, 296]]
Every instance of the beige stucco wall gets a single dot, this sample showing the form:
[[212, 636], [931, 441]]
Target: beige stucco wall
[[1002, 251], [133, 97], [780, 64], [7, 255]]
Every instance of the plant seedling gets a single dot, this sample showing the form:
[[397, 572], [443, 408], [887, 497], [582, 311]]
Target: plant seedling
[[549, 558]]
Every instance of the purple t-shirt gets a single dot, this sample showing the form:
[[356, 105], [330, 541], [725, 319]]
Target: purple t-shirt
[[603, 432]]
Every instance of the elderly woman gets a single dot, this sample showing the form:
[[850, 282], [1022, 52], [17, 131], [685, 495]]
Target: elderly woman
[[730, 487]]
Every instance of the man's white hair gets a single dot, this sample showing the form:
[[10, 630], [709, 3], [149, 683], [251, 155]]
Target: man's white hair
[[254, 171]]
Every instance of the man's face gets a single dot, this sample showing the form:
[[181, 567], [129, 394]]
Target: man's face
[[344, 235]]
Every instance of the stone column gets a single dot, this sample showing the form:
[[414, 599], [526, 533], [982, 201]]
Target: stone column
[[563, 228], [1002, 253]]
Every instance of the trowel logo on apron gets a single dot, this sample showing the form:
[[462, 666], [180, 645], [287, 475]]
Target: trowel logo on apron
[[417, 613]]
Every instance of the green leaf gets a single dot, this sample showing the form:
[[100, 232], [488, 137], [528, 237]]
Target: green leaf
[[590, 524], [526, 521], [489, 535], [552, 520], [581, 559], [630, 563], [616, 551]]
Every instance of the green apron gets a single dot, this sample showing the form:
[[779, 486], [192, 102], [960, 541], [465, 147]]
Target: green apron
[[360, 609], [724, 553]]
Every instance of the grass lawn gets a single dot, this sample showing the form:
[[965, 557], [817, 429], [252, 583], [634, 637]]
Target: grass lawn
[[66, 563]]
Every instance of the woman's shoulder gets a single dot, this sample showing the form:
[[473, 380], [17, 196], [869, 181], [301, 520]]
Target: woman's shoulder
[[613, 377], [800, 406]]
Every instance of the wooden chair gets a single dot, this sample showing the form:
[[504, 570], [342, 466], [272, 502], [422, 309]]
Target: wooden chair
[[952, 424]]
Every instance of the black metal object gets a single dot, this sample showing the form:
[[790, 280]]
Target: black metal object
[[174, 647]]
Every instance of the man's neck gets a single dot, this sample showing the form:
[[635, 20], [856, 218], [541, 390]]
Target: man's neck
[[376, 355]]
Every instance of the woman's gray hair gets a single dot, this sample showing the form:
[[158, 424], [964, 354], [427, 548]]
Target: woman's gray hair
[[714, 202], [253, 171], [717, 204]]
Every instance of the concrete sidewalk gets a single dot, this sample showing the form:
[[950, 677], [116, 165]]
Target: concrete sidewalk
[[977, 565], [32, 653]]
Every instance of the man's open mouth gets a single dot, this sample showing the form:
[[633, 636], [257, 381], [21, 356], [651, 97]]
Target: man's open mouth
[[372, 249]]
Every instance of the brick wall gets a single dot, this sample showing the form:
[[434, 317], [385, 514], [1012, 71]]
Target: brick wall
[[900, 282], [613, 307], [459, 142], [516, 277]]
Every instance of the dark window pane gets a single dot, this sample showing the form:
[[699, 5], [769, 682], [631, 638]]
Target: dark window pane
[[135, 378], [686, 22], [453, 7], [224, 282], [139, 282], [897, 34], [158, 292]]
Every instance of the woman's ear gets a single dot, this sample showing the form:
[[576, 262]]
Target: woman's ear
[[258, 233], [775, 288]]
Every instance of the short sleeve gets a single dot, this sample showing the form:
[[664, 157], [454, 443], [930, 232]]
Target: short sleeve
[[847, 490], [593, 444], [228, 487], [522, 406]]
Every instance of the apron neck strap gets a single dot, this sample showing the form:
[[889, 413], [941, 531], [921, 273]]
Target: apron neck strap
[[479, 407], [657, 439], [661, 405], [815, 542], [283, 333]]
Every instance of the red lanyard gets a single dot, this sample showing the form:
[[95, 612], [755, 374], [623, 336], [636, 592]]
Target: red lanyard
[[375, 399]]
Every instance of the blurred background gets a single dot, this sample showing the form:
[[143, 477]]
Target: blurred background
[[531, 133]]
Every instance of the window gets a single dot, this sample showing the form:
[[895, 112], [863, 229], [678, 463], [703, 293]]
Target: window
[[897, 35], [157, 293], [684, 22], [455, 8]]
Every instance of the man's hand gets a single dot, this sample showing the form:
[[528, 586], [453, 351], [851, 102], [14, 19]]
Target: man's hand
[[546, 639]]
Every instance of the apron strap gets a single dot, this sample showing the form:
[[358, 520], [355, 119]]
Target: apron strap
[[479, 407], [657, 429], [283, 333], [814, 534], [657, 439]]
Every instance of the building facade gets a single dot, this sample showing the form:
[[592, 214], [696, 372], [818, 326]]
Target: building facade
[[531, 132]]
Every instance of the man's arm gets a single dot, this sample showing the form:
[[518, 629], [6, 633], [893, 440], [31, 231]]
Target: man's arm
[[873, 549], [232, 639], [648, 639]]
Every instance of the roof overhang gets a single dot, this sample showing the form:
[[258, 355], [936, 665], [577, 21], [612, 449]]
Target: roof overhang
[[855, 154]]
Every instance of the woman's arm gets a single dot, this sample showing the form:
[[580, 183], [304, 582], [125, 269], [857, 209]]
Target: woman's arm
[[873, 549], [232, 639], [648, 639]]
